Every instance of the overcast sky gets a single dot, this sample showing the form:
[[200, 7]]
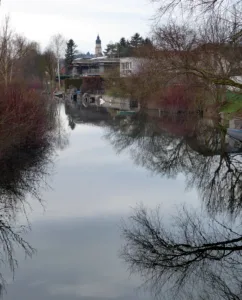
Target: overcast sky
[[80, 20]]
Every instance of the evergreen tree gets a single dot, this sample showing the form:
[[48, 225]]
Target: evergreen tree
[[70, 55], [125, 48], [136, 40], [112, 50], [123, 42], [148, 42]]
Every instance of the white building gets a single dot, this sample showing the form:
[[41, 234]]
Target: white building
[[130, 65], [94, 66]]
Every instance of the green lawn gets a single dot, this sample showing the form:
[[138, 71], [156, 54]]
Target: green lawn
[[234, 102]]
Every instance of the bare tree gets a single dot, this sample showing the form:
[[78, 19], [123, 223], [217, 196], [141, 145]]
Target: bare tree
[[168, 6], [50, 62], [57, 45], [175, 37], [203, 55], [13, 48], [204, 58]]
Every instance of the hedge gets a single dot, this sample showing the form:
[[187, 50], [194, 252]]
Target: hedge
[[92, 84], [89, 83], [77, 83]]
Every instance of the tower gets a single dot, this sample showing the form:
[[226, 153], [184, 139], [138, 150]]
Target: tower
[[98, 48]]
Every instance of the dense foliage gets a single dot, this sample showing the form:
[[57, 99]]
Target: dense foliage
[[125, 47]]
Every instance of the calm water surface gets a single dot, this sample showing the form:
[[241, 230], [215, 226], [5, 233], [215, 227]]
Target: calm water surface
[[76, 230]]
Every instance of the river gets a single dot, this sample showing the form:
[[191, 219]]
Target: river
[[96, 179]]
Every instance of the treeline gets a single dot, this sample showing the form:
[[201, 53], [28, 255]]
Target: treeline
[[192, 66], [22, 60], [25, 72], [126, 47]]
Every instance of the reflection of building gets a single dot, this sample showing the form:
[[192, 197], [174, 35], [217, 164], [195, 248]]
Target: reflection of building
[[89, 115], [98, 116]]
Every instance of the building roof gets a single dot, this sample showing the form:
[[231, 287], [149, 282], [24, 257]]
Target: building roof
[[101, 59]]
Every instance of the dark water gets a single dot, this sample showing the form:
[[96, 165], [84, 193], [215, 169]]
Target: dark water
[[101, 170]]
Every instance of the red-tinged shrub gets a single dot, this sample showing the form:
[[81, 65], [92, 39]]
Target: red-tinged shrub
[[176, 98], [24, 117], [35, 84]]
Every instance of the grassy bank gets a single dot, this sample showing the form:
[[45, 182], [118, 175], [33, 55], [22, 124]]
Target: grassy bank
[[233, 102]]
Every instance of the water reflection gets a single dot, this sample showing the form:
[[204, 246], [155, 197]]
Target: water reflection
[[198, 148], [98, 116], [195, 254], [25, 168], [191, 256], [204, 150]]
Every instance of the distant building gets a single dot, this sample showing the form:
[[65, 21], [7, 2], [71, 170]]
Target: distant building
[[94, 65], [98, 48]]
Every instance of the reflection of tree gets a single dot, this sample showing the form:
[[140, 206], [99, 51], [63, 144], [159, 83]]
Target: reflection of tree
[[24, 169], [193, 254], [196, 256], [169, 146], [218, 180], [125, 133], [22, 172], [59, 136]]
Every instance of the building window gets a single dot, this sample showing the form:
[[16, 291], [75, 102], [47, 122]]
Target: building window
[[126, 67]]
